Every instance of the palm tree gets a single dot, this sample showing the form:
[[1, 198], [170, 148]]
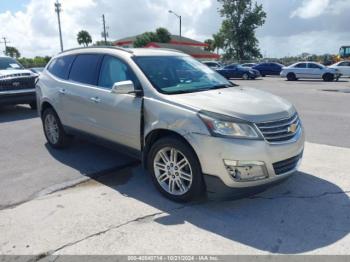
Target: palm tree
[[84, 38], [219, 41]]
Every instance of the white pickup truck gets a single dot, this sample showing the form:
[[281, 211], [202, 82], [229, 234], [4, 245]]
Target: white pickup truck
[[17, 85]]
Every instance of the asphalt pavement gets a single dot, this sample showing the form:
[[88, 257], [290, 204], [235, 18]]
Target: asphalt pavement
[[88, 199], [324, 107]]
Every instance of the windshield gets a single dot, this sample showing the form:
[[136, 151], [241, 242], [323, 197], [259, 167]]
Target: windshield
[[179, 74], [9, 63]]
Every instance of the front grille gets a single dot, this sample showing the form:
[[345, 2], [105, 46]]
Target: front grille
[[286, 165], [17, 84], [280, 130]]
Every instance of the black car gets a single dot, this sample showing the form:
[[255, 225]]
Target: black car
[[238, 71], [269, 68], [17, 85]]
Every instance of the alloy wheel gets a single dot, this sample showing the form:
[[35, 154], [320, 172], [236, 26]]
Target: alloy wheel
[[173, 171], [51, 129]]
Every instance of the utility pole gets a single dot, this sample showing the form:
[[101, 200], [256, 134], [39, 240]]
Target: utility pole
[[58, 11], [104, 33], [5, 42]]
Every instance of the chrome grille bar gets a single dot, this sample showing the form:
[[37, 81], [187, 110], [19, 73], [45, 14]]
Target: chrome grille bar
[[280, 130]]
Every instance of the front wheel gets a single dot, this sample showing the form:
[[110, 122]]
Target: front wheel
[[175, 169], [53, 129], [291, 77], [245, 76]]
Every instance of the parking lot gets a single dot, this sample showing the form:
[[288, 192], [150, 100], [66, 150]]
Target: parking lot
[[91, 200]]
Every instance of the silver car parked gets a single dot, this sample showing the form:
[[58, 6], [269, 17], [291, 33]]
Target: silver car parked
[[192, 128]]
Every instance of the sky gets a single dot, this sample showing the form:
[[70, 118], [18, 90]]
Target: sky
[[292, 26]]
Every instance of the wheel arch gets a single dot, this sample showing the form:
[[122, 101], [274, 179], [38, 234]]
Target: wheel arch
[[157, 134], [45, 105]]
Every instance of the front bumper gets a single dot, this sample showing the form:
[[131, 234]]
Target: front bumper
[[212, 151], [25, 96]]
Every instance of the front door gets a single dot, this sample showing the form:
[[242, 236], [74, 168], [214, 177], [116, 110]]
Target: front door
[[117, 116]]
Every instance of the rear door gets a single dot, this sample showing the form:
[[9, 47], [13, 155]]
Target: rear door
[[79, 90]]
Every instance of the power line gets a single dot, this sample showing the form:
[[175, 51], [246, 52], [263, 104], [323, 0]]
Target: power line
[[58, 10]]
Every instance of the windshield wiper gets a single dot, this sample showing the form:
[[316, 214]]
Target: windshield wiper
[[220, 86]]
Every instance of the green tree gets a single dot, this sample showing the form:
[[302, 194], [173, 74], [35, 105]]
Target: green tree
[[102, 43], [12, 51], [241, 19], [145, 39], [211, 45], [84, 38], [219, 41], [37, 61], [161, 35]]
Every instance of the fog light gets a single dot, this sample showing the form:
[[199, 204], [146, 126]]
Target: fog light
[[246, 170]]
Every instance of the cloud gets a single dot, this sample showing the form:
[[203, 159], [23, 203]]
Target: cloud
[[311, 9], [34, 31], [314, 42], [292, 27]]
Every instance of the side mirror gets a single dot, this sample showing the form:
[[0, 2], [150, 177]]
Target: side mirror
[[125, 87]]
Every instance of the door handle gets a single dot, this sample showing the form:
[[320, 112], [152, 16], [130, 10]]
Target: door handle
[[62, 91], [95, 99]]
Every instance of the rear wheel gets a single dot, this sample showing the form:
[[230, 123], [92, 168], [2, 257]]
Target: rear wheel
[[175, 169], [53, 129], [291, 77]]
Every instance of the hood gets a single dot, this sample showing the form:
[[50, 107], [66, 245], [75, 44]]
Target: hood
[[16, 72], [240, 102]]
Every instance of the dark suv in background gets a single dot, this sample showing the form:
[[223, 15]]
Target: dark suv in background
[[17, 85], [269, 68]]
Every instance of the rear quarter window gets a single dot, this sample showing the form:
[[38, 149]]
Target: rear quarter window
[[85, 69], [60, 66]]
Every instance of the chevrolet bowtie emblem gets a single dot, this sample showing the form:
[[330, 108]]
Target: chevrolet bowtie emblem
[[292, 128]]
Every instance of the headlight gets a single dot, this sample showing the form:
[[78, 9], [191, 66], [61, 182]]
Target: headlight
[[252, 72], [220, 125]]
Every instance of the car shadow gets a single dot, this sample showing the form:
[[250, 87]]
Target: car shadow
[[318, 81], [16, 113], [302, 214], [91, 160]]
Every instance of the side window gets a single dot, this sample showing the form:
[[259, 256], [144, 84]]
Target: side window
[[301, 65], [344, 64], [114, 70], [85, 69], [60, 66], [311, 65]]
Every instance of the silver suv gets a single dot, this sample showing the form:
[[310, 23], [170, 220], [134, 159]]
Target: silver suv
[[192, 129]]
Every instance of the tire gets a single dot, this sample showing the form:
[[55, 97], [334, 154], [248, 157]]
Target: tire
[[328, 77], [291, 77], [33, 105], [180, 184], [51, 124], [245, 76]]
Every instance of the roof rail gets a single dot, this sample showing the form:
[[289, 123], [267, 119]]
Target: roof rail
[[91, 47]]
